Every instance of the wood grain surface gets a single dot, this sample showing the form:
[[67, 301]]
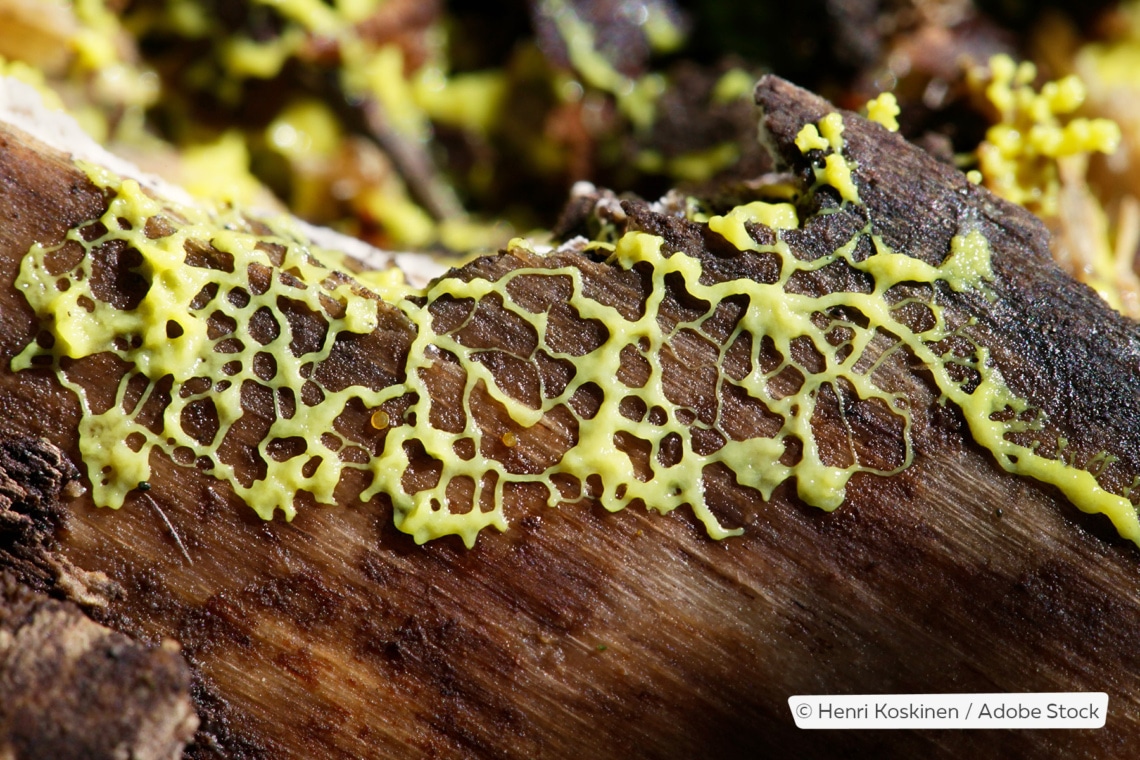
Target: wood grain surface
[[581, 633]]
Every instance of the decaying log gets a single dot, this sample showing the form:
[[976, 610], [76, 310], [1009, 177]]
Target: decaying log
[[578, 632]]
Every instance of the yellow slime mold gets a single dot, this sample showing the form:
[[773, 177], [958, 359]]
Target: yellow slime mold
[[658, 455]]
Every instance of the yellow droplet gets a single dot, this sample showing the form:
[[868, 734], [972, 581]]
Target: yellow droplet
[[380, 419], [510, 440]]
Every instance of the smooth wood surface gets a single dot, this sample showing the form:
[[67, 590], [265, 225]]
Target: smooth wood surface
[[580, 633]]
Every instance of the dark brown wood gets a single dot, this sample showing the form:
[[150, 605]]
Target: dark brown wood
[[580, 633]]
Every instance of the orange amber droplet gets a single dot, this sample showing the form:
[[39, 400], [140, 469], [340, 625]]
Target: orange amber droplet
[[380, 419], [510, 440]]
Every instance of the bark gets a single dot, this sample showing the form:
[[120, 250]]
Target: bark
[[584, 633], [70, 688]]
